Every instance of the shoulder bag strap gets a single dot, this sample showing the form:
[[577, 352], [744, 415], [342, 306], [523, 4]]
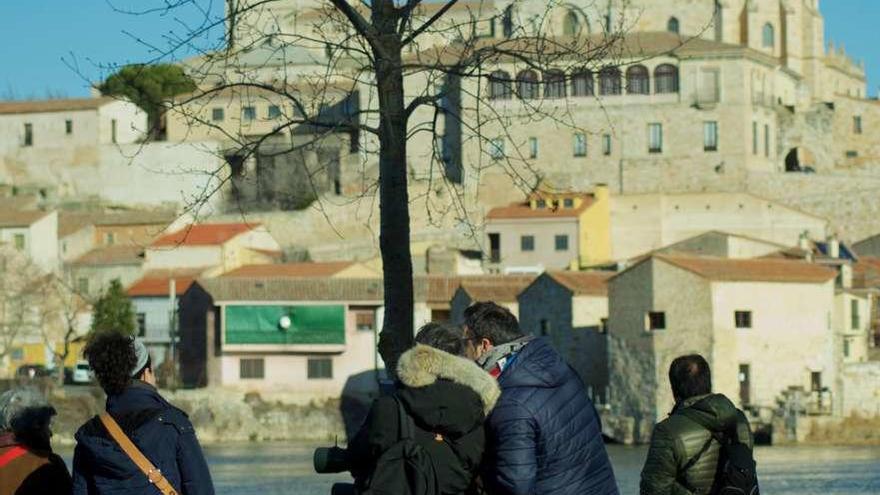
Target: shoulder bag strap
[[154, 475]]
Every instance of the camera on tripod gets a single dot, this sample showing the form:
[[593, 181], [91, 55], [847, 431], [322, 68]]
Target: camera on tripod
[[328, 460]]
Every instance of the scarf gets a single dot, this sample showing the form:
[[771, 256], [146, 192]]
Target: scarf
[[501, 356]]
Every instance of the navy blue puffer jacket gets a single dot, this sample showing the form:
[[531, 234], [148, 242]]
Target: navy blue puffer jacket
[[544, 434], [161, 432]]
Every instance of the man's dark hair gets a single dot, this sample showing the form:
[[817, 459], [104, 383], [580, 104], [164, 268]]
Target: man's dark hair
[[487, 320], [111, 356], [690, 376], [443, 336]]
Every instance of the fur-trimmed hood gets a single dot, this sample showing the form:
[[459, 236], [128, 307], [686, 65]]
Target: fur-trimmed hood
[[423, 365]]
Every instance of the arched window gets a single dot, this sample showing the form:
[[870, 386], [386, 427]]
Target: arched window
[[554, 84], [769, 36], [672, 25], [571, 25], [666, 79], [582, 83], [527, 85], [499, 85], [609, 81], [638, 80]]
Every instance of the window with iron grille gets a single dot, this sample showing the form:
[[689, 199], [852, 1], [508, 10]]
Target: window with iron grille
[[320, 369], [252, 369], [742, 319]]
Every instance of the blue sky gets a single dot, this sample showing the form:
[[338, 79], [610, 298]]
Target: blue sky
[[56, 46]]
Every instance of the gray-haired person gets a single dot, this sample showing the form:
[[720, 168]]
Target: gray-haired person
[[27, 464]]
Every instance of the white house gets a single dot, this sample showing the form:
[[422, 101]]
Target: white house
[[33, 232]]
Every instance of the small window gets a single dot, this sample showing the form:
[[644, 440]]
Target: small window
[[561, 242], [218, 114], [582, 83], [710, 136], [656, 321], [541, 204], [742, 319], [19, 241], [249, 114], [320, 369], [855, 318], [527, 86], [113, 131], [252, 369], [494, 247], [364, 318], [274, 111], [68, 127], [580, 144], [767, 140], [606, 144], [142, 324], [527, 243], [568, 203], [638, 81], [769, 36], [496, 148], [545, 328], [672, 25], [554, 84], [28, 134], [610, 81], [603, 326], [846, 349], [754, 138], [82, 285], [109, 238], [852, 154], [857, 124], [500, 87], [533, 147], [655, 138]]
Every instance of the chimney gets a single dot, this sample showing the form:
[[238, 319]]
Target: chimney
[[833, 247], [804, 241], [846, 276]]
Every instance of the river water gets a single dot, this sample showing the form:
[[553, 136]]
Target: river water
[[283, 468]]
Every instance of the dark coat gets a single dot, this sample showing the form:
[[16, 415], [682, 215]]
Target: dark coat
[[160, 431], [545, 435], [677, 439], [35, 472], [445, 395]]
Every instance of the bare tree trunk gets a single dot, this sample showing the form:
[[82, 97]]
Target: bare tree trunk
[[394, 228]]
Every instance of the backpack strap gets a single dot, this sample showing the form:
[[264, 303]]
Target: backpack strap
[[407, 426]]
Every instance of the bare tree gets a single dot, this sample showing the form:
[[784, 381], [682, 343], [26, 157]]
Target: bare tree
[[385, 75], [23, 294], [62, 316]]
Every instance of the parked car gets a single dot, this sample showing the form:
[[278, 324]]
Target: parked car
[[82, 373], [32, 371]]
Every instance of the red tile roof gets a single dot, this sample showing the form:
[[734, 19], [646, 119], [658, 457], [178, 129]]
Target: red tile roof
[[206, 234], [290, 270], [583, 283], [157, 284], [504, 289], [61, 105], [752, 270], [524, 210]]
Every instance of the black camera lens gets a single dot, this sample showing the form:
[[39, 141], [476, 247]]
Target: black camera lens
[[330, 460]]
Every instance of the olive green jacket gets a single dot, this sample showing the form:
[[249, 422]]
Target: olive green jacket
[[677, 439]]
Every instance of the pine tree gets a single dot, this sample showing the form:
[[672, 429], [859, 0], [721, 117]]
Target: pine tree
[[113, 311]]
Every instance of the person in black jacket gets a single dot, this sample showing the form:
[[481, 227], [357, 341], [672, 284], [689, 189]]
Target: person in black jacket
[[448, 398], [544, 434], [162, 432]]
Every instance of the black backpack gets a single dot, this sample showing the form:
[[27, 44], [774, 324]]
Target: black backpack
[[405, 468], [736, 473]]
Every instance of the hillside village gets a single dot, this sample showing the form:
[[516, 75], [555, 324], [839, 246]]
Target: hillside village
[[718, 195]]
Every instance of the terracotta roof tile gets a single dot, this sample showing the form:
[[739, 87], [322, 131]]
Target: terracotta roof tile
[[504, 289], [583, 283], [290, 270], [156, 286], [207, 234], [26, 218], [61, 105], [524, 210], [752, 270], [72, 222], [112, 255]]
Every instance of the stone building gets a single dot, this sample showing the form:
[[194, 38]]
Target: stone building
[[571, 308], [501, 289], [154, 299], [736, 313], [550, 230], [723, 245]]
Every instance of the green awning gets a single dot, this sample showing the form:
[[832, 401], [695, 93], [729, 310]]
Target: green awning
[[308, 324]]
